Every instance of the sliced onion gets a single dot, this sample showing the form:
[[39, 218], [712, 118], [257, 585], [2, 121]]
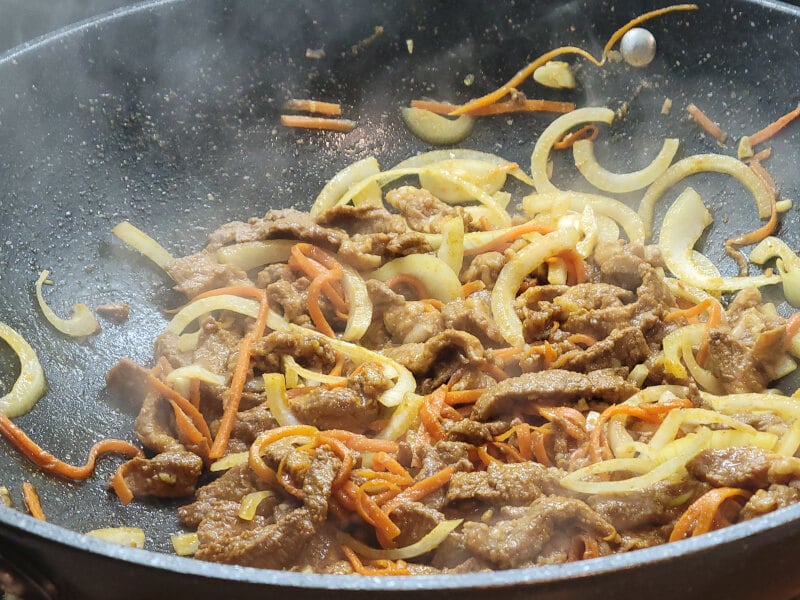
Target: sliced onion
[[436, 156], [139, 240], [557, 271], [198, 308], [790, 441], [620, 183], [80, 324], [683, 225], [250, 502], [514, 272], [194, 372], [490, 178], [439, 279], [701, 163], [124, 536], [607, 229], [403, 417], [185, 544], [607, 207], [673, 344], [788, 266], [667, 432], [436, 129], [229, 461], [359, 315], [785, 407], [249, 255], [555, 74], [340, 183], [290, 363], [553, 133], [277, 400], [427, 543], [30, 386], [451, 251]]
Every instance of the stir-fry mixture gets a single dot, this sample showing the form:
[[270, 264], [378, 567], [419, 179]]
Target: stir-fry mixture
[[426, 374]]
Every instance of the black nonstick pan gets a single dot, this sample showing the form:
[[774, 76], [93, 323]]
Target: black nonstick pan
[[167, 115]]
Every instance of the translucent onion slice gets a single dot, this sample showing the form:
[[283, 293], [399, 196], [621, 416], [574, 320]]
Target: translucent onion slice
[[436, 156], [277, 400], [701, 163], [555, 74], [197, 308], [785, 407], [403, 418], [250, 502], [309, 375], [451, 251], [683, 225], [514, 272], [607, 207], [427, 543], [340, 183], [439, 279], [702, 376], [607, 229], [490, 178], [790, 441], [553, 133], [139, 240], [557, 271], [194, 372], [788, 265], [80, 324], [667, 432], [249, 255], [673, 344], [124, 536], [620, 183], [229, 461], [185, 544], [30, 386], [436, 129], [359, 315]]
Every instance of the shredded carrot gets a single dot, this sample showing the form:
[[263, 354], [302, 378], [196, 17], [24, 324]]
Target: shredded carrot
[[582, 338], [382, 461], [471, 287], [761, 155], [315, 262], [792, 328], [286, 482], [429, 413], [181, 404], [337, 369], [709, 126], [330, 109], [755, 236], [576, 267], [527, 71], [714, 309], [31, 498], [486, 458], [342, 452], [265, 439], [524, 440], [587, 132], [304, 122], [420, 489], [368, 509], [50, 464], [455, 398], [511, 453], [583, 547], [774, 127], [540, 450], [507, 353], [314, 306], [389, 568], [362, 443], [571, 421], [500, 243], [500, 108], [700, 516], [546, 350], [493, 371], [120, 486], [415, 283]]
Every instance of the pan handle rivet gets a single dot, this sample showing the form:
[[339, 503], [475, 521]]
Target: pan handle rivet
[[638, 47]]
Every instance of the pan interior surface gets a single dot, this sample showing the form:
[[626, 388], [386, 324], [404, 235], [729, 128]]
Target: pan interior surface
[[167, 116]]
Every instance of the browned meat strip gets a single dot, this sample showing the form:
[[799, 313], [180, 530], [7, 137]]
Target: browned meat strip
[[309, 351], [248, 424], [170, 474], [424, 211], [117, 312], [624, 347], [768, 500], [317, 484], [555, 386], [153, 425], [473, 315], [422, 357], [515, 484], [201, 272], [517, 542], [412, 322], [650, 507], [484, 267], [362, 219], [415, 521], [128, 379], [741, 369], [216, 347], [742, 467], [335, 408]]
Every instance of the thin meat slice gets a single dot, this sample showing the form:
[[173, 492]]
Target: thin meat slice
[[624, 347], [740, 467], [198, 273], [513, 484], [170, 474]]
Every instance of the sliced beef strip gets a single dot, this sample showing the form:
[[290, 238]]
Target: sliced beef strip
[[167, 346], [767, 500], [516, 484], [624, 347], [285, 223], [412, 322], [317, 484], [554, 386], [421, 358], [484, 267], [741, 369], [620, 263], [423, 211], [153, 425], [128, 380], [171, 474], [116, 312], [216, 347], [248, 425], [473, 315], [289, 299], [335, 408], [741, 467], [198, 273], [516, 542], [362, 219], [415, 521], [310, 351]]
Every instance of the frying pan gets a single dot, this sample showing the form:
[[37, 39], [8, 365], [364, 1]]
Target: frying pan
[[166, 114]]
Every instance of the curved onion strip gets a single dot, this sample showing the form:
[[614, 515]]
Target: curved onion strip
[[403, 417], [673, 343], [554, 132], [683, 225], [277, 400], [436, 129], [620, 183], [194, 372], [427, 543], [250, 502], [359, 316], [249, 255], [80, 324], [139, 240], [358, 354], [290, 363], [705, 378], [490, 178], [124, 536], [237, 304], [700, 163], [684, 291], [514, 272], [790, 441], [555, 74], [608, 207], [439, 279], [451, 251], [672, 423], [787, 408], [229, 461], [30, 386], [607, 229], [436, 156], [340, 183], [185, 544], [788, 267]]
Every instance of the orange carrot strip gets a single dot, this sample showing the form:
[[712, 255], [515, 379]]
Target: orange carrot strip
[[539, 449], [759, 234], [362, 443], [232, 405], [382, 461], [699, 517], [429, 414], [761, 155], [388, 568], [507, 353], [368, 509], [320, 264], [500, 108], [582, 338], [304, 122], [498, 244], [342, 452], [571, 421], [576, 267], [255, 460], [770, 130], [471, 287], [314, 306], [120, 486], [330, 109], [454, 398], [420, 489], [509, 451], [337, 369], [50, 464], [587, 132], [792, 328], [524, 440], [413, 282], [286, 480], [182, 403], [709, 126], [194, 392], [31, 498]]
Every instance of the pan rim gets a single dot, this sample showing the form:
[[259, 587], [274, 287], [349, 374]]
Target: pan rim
[[25, 525]]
